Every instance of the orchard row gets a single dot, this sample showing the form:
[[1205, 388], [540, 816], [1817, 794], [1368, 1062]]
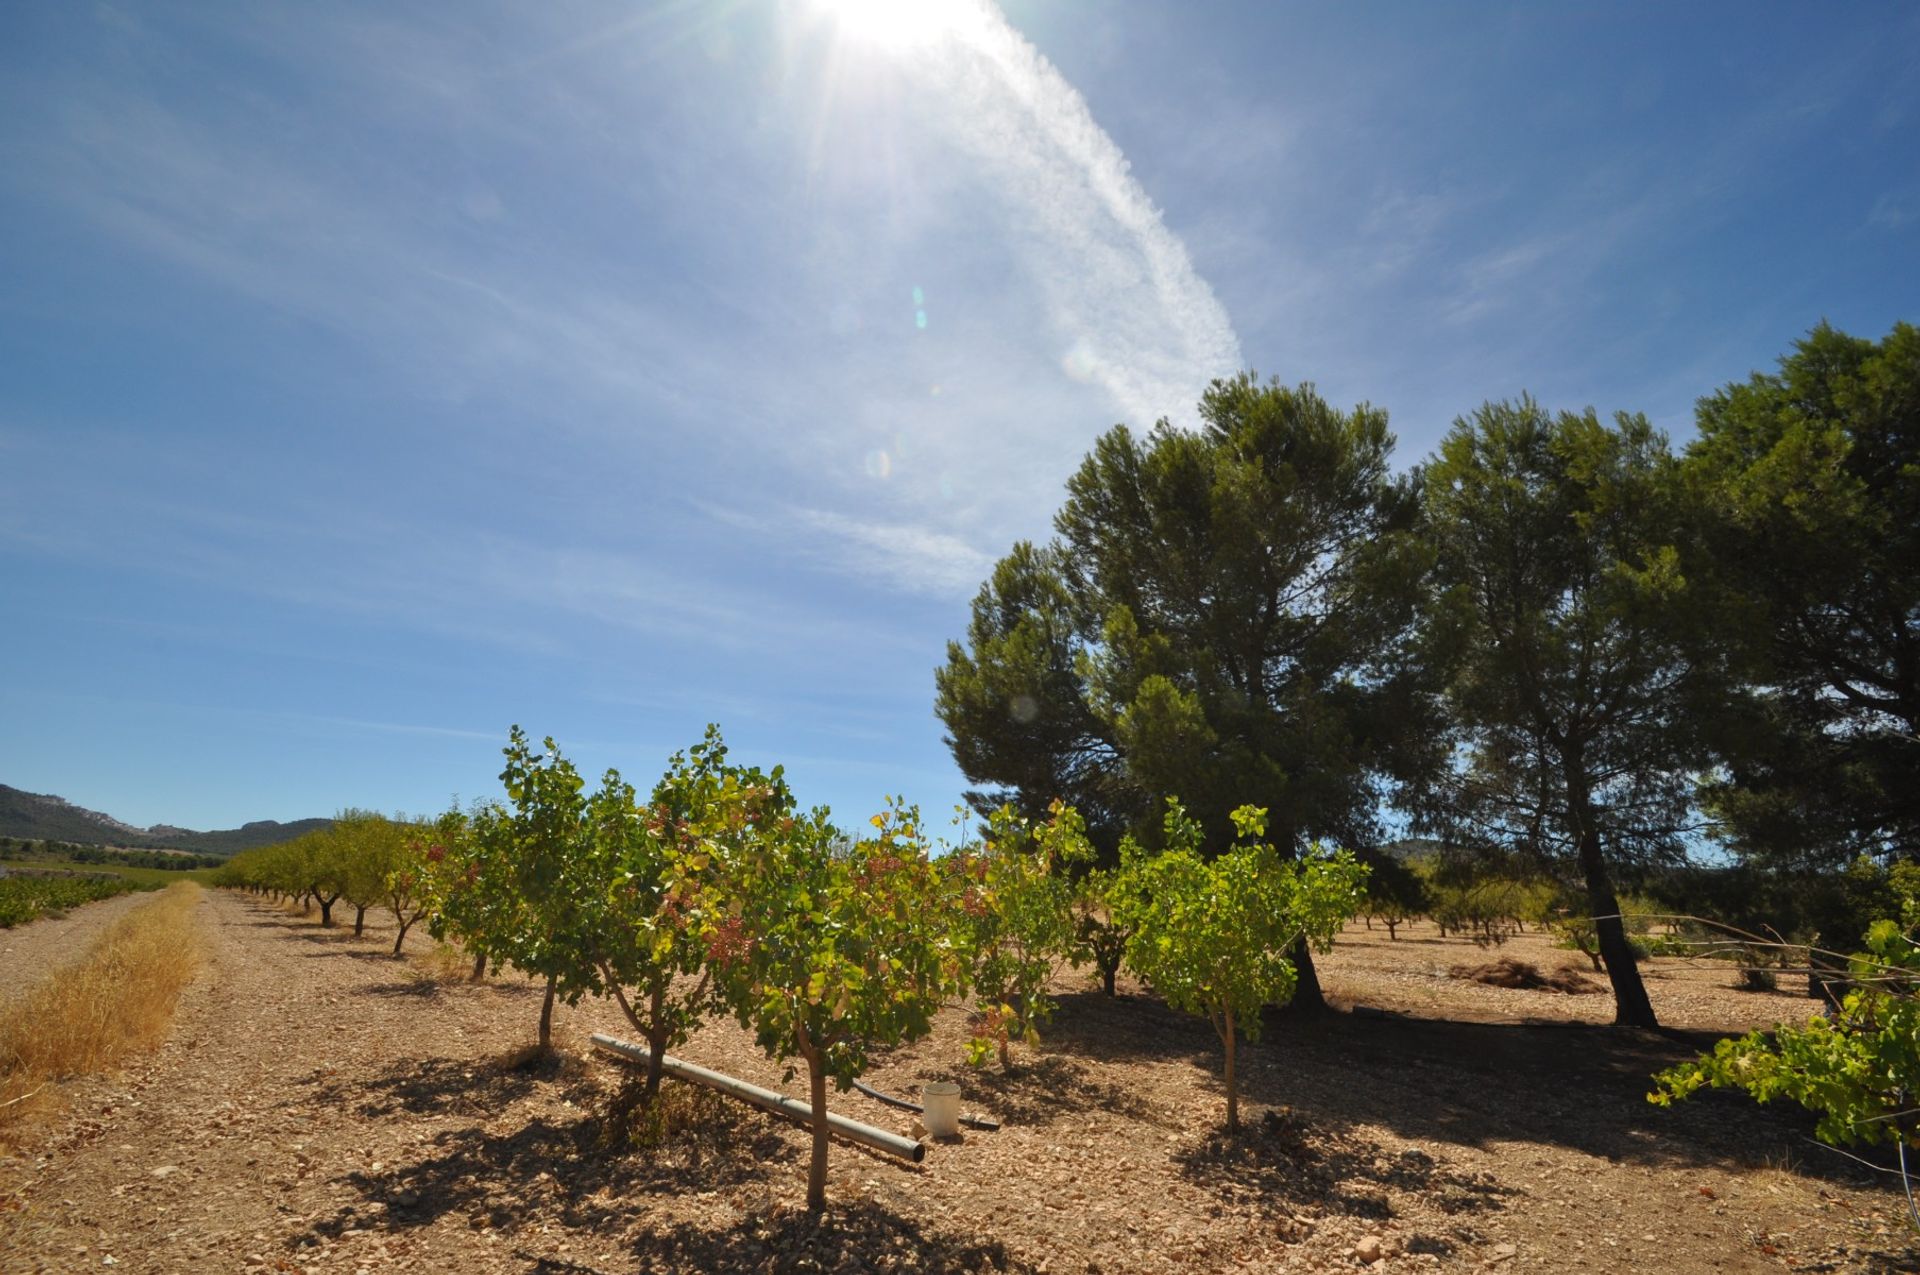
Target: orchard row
[[718, 895]]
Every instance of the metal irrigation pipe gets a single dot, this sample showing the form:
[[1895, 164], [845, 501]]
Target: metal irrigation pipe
[[781, 1105]]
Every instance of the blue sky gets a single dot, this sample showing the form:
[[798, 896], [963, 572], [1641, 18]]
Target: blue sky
[[373, 377]]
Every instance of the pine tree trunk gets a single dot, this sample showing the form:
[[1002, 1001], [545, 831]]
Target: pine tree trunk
[[1307, 996], [1631, 1005]]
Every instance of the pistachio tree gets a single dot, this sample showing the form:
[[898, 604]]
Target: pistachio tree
[[1017, 920], [657, 861], [827, 948], [1215, 938], [408, 888]]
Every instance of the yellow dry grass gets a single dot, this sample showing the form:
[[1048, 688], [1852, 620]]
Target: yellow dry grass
[[86, 1017]]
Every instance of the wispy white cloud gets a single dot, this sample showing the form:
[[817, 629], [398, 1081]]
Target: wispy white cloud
[[902, 554], [1894, 210], [1130, 312]]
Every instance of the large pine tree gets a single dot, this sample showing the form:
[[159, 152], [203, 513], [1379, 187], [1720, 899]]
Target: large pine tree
[[1223, 616]]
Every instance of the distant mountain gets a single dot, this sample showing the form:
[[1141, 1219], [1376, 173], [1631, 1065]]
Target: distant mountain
[[44, 817]]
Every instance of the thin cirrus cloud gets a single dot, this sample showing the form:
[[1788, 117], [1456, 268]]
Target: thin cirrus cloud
[[1111, 319], [1123, 311], [1134, 315]]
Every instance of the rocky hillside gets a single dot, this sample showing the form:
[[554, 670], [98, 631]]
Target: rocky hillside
[[42, 816]]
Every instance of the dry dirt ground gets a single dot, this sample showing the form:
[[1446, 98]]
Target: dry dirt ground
[[321, 1107]]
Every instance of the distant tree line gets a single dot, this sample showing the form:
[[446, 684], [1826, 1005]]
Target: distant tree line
[[75, 852]]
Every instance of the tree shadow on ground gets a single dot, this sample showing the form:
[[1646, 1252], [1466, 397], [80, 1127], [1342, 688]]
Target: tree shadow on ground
[[289, 921], [450, 1085], [332, 934], [1287, 1164], [1582, 1088], [419, 988], [1124, 1028], [426, 986], [858, 1237], [1045, 1087], [580, 1171], [353, 954]]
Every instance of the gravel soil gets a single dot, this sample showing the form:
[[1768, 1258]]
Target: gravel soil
[[321, 1107]]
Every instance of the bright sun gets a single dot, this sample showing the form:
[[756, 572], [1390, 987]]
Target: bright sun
[[896, 24]]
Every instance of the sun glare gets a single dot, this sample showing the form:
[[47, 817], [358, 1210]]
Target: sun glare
[[896, 24]]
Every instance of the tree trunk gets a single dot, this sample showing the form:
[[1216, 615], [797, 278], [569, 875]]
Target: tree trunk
[[817, 1095], [400, 938], [1233, 1086], [359, 920], [1393, 931], [546, 1014], [658, 1033], [479, 966], [1106, 975], [656, 1065], [326, 913], [1631, 1006], [1307, 996]]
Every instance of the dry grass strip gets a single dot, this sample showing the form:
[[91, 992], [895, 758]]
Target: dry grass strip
[[86, 1017]]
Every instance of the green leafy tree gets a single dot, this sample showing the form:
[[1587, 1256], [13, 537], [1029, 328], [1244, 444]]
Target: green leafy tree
[[1017, 921], [660, 860], [539, 855], [466, 901], [1395, 893], [408, 888], [827, 949], [1214, 937], [1858, 1069], [591, 891], [1015, 704], [1566, 626], [1224, 614], [1099, 935], [1812, 478], [369, 845], [323, 862]]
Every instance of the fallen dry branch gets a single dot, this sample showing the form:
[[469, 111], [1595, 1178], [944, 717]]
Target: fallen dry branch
[[1526, 976]]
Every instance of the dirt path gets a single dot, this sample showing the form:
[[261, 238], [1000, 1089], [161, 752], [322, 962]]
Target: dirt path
[[323, 1108], [30, 952]]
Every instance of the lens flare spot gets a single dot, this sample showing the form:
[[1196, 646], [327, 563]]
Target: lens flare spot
[[878, 464], [920, 319], [1023, 709], [1080, 363], [919, 297], [934, 392]]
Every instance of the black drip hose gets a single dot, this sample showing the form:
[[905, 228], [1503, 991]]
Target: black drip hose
[[972, 1122]]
